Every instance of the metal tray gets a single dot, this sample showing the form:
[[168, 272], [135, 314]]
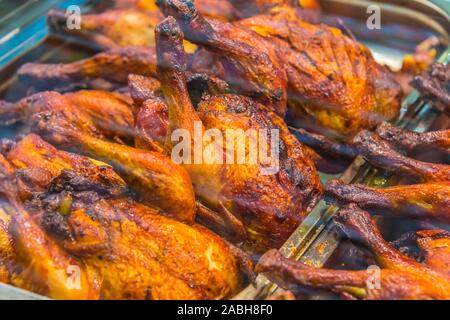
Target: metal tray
[[404, 25]]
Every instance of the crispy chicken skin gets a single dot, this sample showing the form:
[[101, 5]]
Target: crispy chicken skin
[[429, 201], [270, 206], [332, 83], [110, 29], [214, 9], [153, 176], [335, 86], [98, 113], [112, 112], [401, 277]]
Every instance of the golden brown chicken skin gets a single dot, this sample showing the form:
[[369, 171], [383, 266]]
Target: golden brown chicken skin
[[270, 206], [214, 9], [434, 85], [306, 9], [148, 256], [48, 162], [154, 177], [97, 113], [400, 277], [250, 63], [112, 112]]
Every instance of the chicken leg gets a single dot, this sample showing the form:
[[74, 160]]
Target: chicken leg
[[381, 154], [99, 113], [434, 85], [422, 201], [110, 29]]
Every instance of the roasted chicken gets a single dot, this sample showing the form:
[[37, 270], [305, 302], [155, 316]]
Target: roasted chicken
[[99, 113], [409, 141], [144, 258], [131, 23], [429, 201], [109, 29], [269, 206], [400, 277], [332, 83], [106, 70], [307, 9]]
